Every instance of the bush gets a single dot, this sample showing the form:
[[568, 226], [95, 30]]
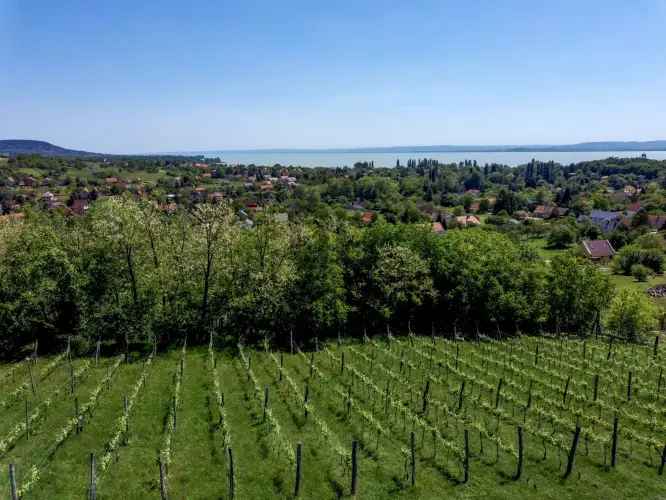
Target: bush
[[630, 255], [561, 236], [640, 272]]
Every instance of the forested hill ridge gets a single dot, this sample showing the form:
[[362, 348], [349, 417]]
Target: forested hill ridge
[[28, 147]]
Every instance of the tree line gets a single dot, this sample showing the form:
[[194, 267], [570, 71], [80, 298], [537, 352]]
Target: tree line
[[128, 273]]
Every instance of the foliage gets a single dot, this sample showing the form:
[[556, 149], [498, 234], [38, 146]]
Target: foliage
[[631, 315]]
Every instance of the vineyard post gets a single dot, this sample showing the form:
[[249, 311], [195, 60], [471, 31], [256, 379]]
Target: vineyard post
[[412, 441], [297, 484], [354, 472], [232, 477], [311, 363], [71, 378], [661, 373], [566, 390], [424, 409], [572, 453], [596, 387], [610, 348], [163, 481], [27, 421], [305, 399], [466, 457], [281, 364], [92, 489], [663, 461], [519, 468], [461, 395], [614, 442], [536, 355], [457, 354], [266, 389], [584, 349], [316, 344], [97, 352], [629, 387], [656, 345], [32, 379], [76, 415], [342, 362], [12, 482], [126, 410], [498, 394], [291, 340], [175, 421]]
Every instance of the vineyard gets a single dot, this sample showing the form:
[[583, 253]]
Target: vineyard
[[408, 417]]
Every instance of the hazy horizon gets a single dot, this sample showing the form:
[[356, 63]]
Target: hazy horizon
[[208, 76]]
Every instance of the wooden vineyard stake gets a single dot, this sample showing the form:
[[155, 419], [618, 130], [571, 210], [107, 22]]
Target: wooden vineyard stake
[[656, 345], [661, 374], [305, 399], [466, 458], [629, 387], [596, 387], [572, 453], [461, 394], [663, 461], [97, 349], [536, 355], [27, 421], [265, 402], [126, 410], [610, 348], [281, 365], [311, 363], [498, 394], [519, 468], [12, 482], [77, 416], [412, 441], [232, 474], [342, 363], [426, 391], [164, 493], [32, 379], [92, 489], [291, 340], [614, 442], [297, 483], [175, 420], [566, 390], [354, 477], [71, 378]]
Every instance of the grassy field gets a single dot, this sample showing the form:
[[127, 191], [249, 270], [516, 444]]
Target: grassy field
[[376, 393]]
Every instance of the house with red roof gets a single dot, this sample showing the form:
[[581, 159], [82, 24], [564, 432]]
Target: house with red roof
[[598, 250]]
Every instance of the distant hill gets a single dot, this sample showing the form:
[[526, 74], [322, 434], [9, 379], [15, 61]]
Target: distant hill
[[28, 147]]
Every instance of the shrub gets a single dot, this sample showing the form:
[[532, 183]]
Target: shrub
[[640, 272]]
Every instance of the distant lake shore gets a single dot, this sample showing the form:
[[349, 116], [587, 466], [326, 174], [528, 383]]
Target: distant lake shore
[[389, 159]]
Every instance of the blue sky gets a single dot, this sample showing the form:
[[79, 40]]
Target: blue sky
[[145, 76]]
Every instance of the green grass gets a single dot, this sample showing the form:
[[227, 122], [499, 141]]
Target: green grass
[[540, 245], [199, 463]]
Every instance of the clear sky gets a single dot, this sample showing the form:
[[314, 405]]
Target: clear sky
[[145, 76]]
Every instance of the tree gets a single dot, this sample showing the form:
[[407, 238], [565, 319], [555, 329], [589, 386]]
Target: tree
[[577, 293], [631, 314], [561, 236], [400, 282]]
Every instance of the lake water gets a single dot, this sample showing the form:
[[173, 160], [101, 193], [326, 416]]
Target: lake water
[[341, 159]]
